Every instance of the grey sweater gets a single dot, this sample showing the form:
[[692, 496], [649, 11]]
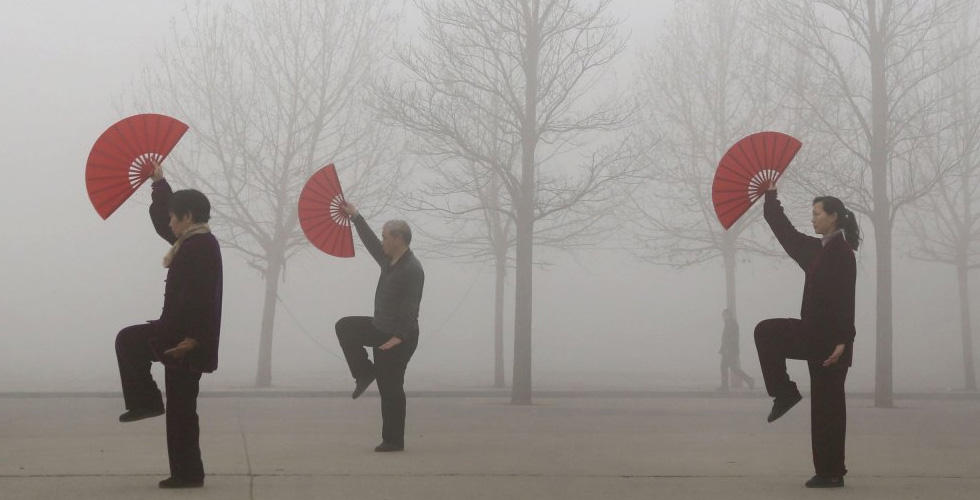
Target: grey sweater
[[399, 291]]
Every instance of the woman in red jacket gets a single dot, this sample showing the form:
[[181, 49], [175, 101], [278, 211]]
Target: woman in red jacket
[[824, 334]]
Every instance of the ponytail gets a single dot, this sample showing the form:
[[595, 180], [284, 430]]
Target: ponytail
[[852, 234], [845, 219]]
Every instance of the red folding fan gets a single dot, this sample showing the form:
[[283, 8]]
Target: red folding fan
[[323, 220], [747, 169], [120, 159]]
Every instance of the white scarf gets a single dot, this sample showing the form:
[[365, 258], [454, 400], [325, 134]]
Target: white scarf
[[201, 228], [826, 239]]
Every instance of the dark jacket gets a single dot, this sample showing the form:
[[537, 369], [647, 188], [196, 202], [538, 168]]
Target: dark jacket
[[192, 296], [729, 338], [827, 310], [399, 291]]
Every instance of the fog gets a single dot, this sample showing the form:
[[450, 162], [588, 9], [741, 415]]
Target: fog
[[603, 319]]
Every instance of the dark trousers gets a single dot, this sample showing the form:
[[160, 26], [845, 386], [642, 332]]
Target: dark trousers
[[355, 333], [780, 339], [134, 355], [730, 363]]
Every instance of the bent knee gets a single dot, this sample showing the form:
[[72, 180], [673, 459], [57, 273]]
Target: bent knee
[[124, 337], [343, 325], [765, 328]]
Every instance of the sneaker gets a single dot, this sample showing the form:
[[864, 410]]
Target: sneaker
[[782, 405], [141, 413], [819, 481]]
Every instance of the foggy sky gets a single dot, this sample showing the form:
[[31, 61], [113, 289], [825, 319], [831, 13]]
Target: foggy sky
[[602, 319]]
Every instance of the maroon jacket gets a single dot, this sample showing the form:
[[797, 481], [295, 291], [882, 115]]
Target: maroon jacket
[[192, 296], [831, 272]]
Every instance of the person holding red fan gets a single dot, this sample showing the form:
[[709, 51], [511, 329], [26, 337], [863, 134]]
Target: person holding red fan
[[185, 338], [824, 334], [393, 331]]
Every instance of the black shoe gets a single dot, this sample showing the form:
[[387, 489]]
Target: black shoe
[[173, 483], [141, 413], [361, 386], [386, 446], [782, 405], [819, 481]]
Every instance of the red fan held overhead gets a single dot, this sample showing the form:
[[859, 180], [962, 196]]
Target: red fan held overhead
[[120, 159], [747, 169], [323, 220]]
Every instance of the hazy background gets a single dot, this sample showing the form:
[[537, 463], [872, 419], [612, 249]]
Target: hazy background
[[69, 280]]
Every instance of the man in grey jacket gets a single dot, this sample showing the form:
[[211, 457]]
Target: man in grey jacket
[[393, 331]]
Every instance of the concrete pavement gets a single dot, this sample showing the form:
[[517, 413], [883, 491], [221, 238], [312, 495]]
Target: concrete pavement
[[483, 448]]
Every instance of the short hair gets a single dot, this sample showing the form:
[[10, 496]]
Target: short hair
[[401, 229], [190, 201]]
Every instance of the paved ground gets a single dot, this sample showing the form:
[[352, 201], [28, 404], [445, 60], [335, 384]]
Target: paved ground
[[483, 448]]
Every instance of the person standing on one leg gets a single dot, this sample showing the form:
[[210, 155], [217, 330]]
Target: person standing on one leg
[[185, 338], [824, 334], [393, 331], [730, 363]]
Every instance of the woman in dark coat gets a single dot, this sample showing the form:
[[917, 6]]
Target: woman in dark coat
[[824, 334], [185, 338]]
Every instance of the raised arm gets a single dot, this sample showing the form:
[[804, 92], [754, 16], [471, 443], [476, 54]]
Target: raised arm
[[802, 248], [370, 240], [160, 206]]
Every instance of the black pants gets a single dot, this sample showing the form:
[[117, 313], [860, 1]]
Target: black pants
[[730, 363], [140, 391], [780, 339], [355, 333]]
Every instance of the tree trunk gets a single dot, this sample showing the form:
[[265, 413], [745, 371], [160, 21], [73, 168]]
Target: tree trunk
[[882, 211], [498, 319], [965, 101], [966, 328], [728, 258], [883, 344], [521, 390], [263, 377]]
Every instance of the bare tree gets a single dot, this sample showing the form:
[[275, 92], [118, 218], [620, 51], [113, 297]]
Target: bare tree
[[875, 64], [468, 197], [273, 91], [705, 85], [947, 222], [467, 192], [498, 85]]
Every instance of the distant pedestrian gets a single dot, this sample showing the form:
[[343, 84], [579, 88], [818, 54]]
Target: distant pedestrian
[[185, 338], [730, 358], [393, 331], [824, 334]]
